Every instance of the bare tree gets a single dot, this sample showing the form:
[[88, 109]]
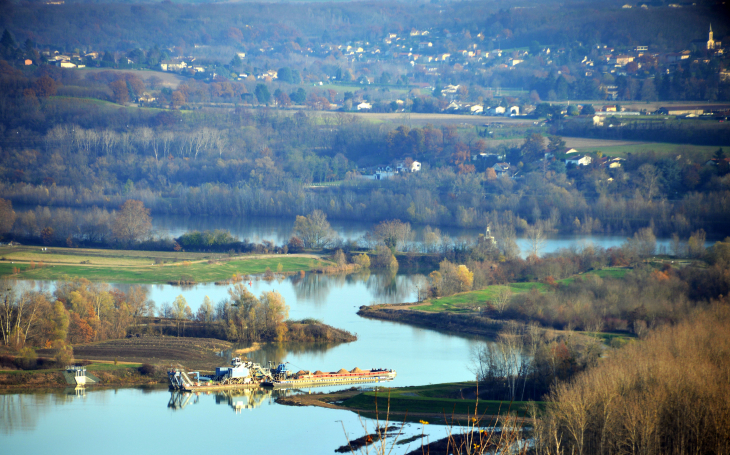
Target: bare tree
[[143, 136], [651, 178], [166, 138], [7, 309], [7, 216], [314, 230], [502, 298], [201, 140], [393, 233], [132, 222], [219, 142], [108, 140], [506, 235], [536, 236], [18, 313]]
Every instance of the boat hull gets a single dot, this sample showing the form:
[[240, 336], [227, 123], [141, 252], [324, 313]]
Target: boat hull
[[203, 387], [325, 381]]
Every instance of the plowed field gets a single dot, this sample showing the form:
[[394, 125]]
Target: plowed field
[[190, 352]]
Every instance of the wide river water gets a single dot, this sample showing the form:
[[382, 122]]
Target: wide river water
[[135, 420], [279, 231], [117, 421]]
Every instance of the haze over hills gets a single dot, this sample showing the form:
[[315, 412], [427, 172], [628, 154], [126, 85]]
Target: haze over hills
[[116, 26]]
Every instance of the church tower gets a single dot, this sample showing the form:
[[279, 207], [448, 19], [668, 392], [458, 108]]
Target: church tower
[[710, 40]]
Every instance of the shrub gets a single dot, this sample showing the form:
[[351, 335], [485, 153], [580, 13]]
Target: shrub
[[146, 369], [665, 394]]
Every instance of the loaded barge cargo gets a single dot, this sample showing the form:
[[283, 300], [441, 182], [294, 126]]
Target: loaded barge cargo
[[305, 378], [249, 375]]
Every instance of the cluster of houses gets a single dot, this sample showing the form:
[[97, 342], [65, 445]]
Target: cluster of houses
[[569, 155], [424, 51], [573, 157], [623, 63], [64, 60], [387, 171]]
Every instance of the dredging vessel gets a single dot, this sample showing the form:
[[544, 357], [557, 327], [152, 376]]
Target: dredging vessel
[[283, 378], [249, 375]]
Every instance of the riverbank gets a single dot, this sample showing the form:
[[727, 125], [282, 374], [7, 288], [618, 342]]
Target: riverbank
[[301, 331], [144, 359], [439, 404], [144, 267], [475, 312], [127, 362], [109, 375], [471, 323], [481, 299]]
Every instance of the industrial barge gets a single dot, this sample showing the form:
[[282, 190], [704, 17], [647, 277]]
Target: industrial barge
[[249, 375]]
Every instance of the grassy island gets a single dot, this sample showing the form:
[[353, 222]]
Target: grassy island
[[133, 266], [436, 403]]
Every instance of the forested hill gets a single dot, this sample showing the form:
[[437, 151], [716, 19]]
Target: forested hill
[[253, 26]]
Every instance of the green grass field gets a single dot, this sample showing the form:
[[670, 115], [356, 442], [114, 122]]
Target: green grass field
[[443, 399], [612, 338], [124, 266], [463, 302], [342, 88], [466, 301], [119, 258], [693, 152]]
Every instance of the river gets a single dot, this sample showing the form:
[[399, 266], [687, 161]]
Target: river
[[279, 231], [127, 420]]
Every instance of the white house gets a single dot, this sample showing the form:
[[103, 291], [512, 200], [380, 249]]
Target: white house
[[146, 98], [449, 90], [364, 106], [580, 160], [615, 162], [414, 167], [476, 109], [173, 66], [499, 110], [501, 169], [514, 110]]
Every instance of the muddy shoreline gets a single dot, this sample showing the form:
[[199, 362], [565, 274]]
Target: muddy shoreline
[[468, 324], [40, 380]]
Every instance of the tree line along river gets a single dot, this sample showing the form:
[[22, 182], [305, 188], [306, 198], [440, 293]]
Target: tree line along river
[[154, 419]]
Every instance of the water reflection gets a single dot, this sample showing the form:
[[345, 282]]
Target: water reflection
[[238, 399], [21, 411], [316, 290], [109, 418]]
